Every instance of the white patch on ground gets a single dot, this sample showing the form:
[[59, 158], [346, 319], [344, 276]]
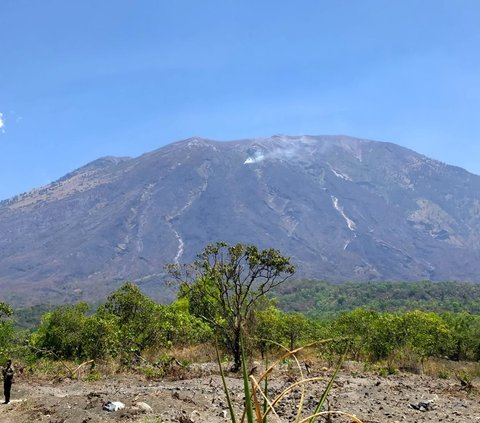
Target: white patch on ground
[[192, 197], [180, 246], [199, 142], [339, 174], [349, 241], [135, 222], [350, 223]]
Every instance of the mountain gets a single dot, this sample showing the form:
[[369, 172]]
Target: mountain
[[342, 208]]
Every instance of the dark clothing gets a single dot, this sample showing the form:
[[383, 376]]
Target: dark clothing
[[7, 387], [7, 372]]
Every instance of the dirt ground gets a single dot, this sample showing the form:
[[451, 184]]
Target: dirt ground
[[371, 398]]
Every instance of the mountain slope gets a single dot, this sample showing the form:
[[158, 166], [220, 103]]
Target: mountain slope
[[342, 208]]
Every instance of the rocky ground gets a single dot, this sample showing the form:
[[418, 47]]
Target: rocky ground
[[372, 398]]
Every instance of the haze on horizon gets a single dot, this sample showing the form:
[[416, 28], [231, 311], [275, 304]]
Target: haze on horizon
[[83, 80]]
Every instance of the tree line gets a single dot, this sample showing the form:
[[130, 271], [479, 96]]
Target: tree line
[[130, 325], [323, 299], [223, 299]]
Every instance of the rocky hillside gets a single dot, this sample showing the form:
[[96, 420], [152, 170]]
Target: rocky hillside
[[342, 208]]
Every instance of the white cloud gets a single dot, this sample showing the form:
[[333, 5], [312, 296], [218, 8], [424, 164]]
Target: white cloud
[[2, 123]]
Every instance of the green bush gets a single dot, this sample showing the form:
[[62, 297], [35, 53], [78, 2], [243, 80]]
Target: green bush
[[59, 333]]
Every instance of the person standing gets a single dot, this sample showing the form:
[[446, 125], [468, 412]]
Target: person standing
[[7, 372]]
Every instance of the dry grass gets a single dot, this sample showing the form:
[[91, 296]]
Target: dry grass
[[201, 353], [260, 404], [447, 369]]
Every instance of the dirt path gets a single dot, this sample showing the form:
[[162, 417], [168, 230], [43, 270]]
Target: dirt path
[[372, 398]]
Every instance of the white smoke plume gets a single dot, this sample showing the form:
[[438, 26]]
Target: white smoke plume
[[275, 154], [255, 158]]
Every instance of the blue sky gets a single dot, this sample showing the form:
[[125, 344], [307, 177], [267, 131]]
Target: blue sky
[[84, 79]]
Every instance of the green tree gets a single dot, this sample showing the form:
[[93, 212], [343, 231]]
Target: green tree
[[182, 327], [226, 282], [427, 334], [358, 325], [267, 328], [101, 336], [465, 329], [60, 331], [139, 319], [295, 328], [6, 311], [7, 331], [386, 336]]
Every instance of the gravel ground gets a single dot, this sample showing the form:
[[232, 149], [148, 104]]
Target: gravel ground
[[371, 398]]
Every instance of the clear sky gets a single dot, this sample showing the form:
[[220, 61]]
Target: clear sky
[[90, 78]]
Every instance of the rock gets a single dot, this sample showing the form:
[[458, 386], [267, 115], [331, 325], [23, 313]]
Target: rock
[[195, 416], [143, 406], [427, 405]]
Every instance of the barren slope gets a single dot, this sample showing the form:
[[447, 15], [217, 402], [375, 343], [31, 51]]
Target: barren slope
[[342, 208]]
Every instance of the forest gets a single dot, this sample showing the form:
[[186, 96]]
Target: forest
[[323, 299], [130, 328], [238, 293]]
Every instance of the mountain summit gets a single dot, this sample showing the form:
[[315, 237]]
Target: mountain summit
[[342, 208]]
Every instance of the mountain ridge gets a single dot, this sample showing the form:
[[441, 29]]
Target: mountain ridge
[[343, 208]]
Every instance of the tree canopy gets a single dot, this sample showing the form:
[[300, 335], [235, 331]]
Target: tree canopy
[[226, 283]]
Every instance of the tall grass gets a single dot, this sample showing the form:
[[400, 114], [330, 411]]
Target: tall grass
[[259, 403]]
